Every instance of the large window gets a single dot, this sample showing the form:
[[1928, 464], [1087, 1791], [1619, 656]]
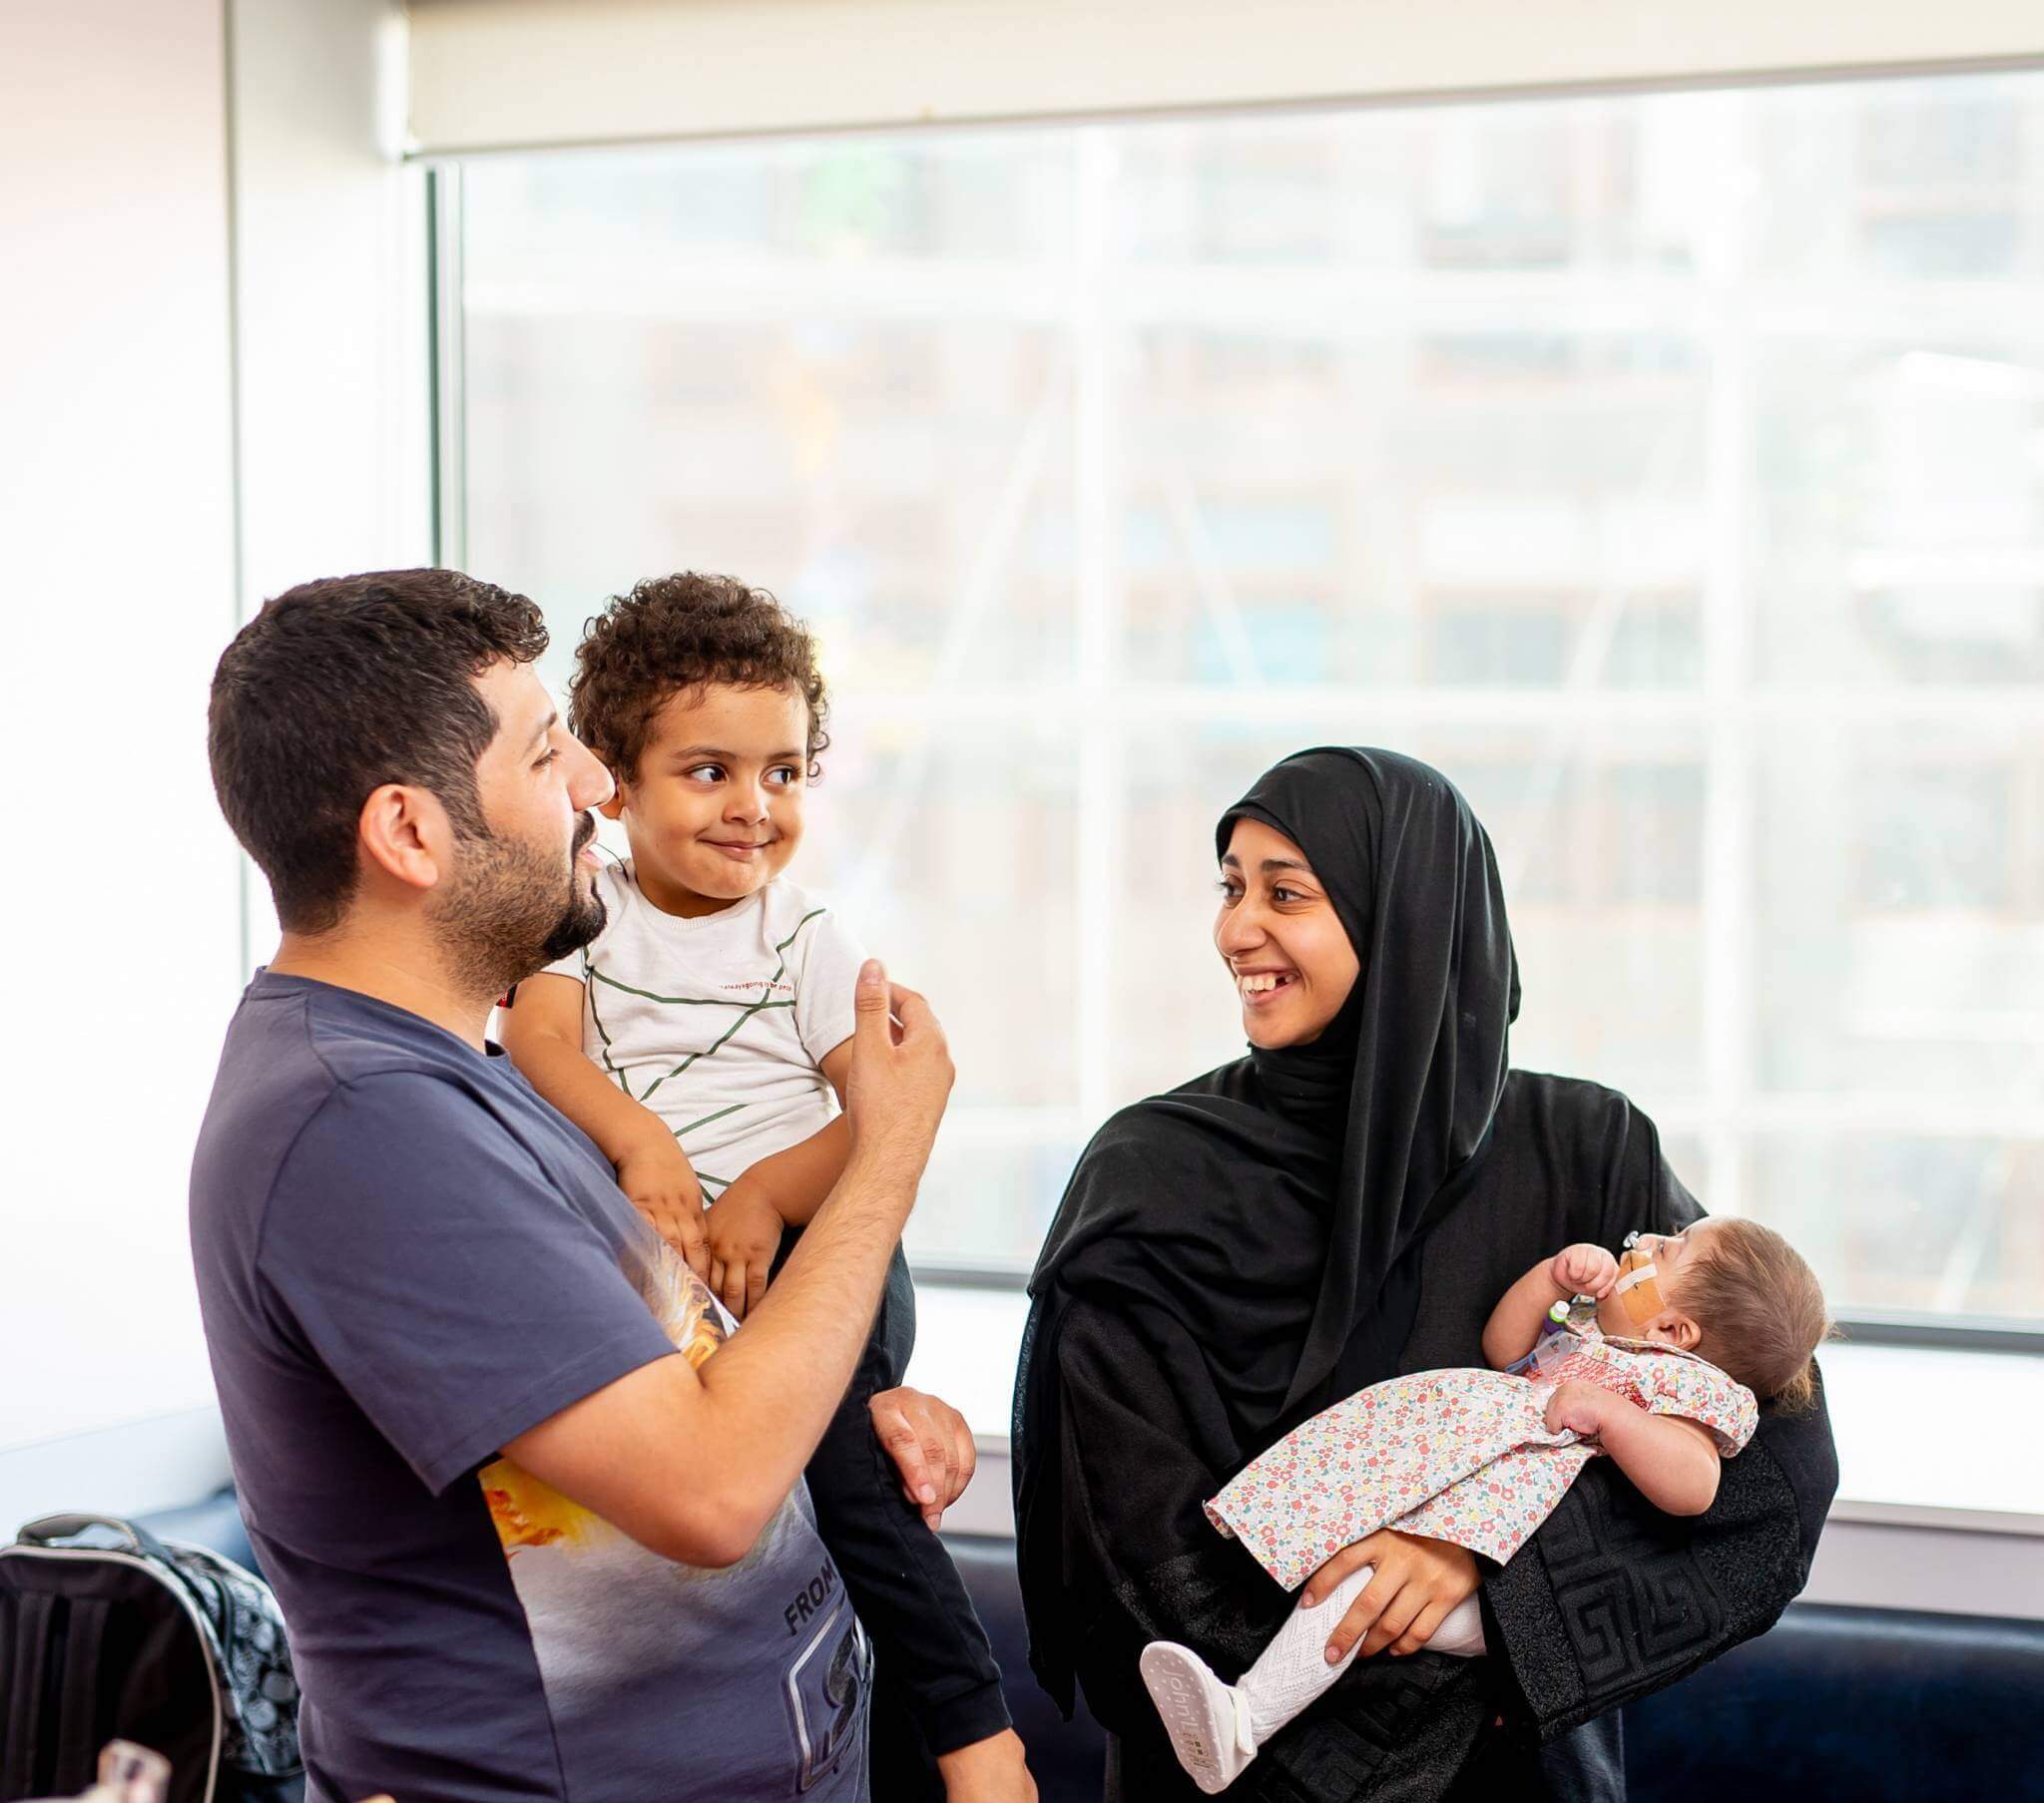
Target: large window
[[1667, 469]]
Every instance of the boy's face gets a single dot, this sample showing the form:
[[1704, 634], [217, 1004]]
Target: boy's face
[[715, 809]]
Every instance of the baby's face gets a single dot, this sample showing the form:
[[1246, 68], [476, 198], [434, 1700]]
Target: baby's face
[[1671, 1254]]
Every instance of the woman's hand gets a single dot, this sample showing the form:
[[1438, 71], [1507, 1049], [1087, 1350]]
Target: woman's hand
[[1417, 1582], [1585, 1270], [931, 1448]]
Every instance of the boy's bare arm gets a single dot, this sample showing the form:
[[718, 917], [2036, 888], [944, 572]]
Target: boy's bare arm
[[785, 1188], [543, 1033], [693, 1463], [1672, 1462], [1514, 1324], [796, 1181]]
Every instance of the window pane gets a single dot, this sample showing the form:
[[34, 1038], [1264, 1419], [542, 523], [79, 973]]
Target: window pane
[[1667, 469], [1910, 1225], [1901, 947]]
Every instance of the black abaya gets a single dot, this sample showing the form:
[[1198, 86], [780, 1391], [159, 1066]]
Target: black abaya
[[1237, 1254]]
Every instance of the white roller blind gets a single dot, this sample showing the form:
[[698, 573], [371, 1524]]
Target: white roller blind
[[497, 73]]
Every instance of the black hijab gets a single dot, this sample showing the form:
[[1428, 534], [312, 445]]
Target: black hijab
[[1269, 1206], [1317, 1167]]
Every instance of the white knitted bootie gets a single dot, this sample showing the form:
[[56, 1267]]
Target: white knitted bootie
[[1207, 1721]]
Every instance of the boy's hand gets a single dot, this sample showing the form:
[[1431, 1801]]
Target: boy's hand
[[744, 1236], [658, 1180], [992, 1770], [1580, 1407], [1585, 1270]]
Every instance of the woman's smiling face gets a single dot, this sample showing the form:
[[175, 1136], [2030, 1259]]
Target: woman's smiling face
[[1280, 937]]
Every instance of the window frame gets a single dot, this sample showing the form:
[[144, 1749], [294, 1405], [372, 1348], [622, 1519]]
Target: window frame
[[1725, 705]]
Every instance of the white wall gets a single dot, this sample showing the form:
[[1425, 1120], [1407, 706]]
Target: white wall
[[331, 285], [117, 545], [199, 207]]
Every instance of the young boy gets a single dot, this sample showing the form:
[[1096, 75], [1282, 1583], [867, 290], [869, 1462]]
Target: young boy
[[699, 1041]]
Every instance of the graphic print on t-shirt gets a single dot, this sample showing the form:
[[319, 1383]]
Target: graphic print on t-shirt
[[602, 1610]]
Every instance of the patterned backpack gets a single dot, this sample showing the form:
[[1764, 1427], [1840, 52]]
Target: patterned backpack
[[169, 1645]]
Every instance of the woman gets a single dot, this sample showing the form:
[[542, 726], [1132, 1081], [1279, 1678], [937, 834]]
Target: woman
[[1346, 1203]]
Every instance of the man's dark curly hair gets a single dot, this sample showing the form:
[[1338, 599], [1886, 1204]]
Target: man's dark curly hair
[[340, 686], [673, 633]]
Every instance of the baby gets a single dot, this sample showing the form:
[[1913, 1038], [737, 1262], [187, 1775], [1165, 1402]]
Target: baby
[[1687, 1329]]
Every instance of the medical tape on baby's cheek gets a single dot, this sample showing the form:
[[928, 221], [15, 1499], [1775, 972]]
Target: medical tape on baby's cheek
[[1638, 1289]]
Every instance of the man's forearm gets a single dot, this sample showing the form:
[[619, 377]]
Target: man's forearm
[[772, 1388]]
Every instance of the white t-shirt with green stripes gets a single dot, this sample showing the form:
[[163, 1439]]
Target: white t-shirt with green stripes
[[719, 1025]]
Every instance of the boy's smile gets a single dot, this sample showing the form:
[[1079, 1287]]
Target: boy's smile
[[715, 810]]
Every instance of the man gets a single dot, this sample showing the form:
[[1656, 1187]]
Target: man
[[532, 1539]]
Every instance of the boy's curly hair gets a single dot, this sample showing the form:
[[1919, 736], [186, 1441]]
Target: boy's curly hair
[[673, 633]]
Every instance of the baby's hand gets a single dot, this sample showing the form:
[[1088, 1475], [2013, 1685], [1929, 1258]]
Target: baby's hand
[[1579, 1407], [659, 1181], [1585, 1270], [745, 1235]]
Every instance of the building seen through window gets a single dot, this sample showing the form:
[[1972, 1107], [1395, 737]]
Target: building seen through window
[[1666, 469]]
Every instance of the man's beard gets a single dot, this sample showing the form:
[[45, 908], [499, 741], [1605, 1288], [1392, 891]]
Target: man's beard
[[502, 914]]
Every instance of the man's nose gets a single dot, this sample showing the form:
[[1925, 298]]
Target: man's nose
[[589, 781]]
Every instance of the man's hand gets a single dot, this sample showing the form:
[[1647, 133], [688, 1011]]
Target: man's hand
[[745, 1235], [1415, 1583], [660, 1182], [1585, 1270], [992, 1770], [900, 1074], [1580, 1407], [931, 1448]]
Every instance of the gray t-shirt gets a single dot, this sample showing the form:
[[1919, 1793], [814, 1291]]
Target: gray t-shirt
[[406, 1259]]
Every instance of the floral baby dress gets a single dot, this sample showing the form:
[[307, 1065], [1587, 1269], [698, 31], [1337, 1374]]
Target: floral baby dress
[[1462, 1455]]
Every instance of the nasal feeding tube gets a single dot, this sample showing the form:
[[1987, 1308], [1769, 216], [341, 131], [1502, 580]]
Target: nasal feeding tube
[[1639, 1288], [1549, 1347]]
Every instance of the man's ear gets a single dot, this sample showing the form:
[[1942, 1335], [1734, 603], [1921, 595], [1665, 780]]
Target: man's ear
[[405, 833]]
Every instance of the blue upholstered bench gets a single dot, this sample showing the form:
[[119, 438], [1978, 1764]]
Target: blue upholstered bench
[[1834, 1703]]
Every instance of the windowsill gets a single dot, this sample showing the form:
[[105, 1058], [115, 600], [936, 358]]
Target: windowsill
[[1926, 1436]]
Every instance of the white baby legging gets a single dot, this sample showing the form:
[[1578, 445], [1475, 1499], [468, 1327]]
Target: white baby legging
[[1293, 1668], [1216, 1728]]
